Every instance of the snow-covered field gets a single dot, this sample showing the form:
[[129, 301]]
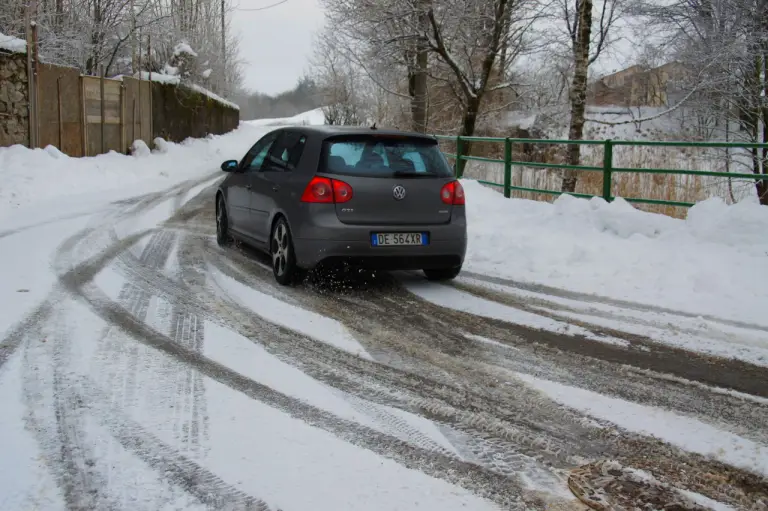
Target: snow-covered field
[[143, 367]]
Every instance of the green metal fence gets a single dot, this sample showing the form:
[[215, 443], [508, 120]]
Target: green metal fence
[[607, 169]]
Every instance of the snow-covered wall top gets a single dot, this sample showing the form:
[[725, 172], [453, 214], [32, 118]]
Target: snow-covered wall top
[[12, 44], [176, 80]]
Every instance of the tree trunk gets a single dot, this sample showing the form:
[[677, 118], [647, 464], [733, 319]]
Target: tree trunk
[[578, 94], [505, 45], [762, 186], [468, 121], [419, 78], [419, 97]]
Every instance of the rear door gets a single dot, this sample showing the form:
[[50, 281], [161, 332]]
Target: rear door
[[239, 190], [395, 180], [251, 167], [277, 190]]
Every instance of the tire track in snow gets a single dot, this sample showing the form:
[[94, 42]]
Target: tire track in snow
[[623, 304], [501, 489], [86, 272], [11, 232], [169, 464], [393, 424], [646, 352], [731, 409], [191, 416], [424, 392], [15, 337], [327, 364], [57, 422], [628, 446], [127, 363], [344, 366], [71, 439]]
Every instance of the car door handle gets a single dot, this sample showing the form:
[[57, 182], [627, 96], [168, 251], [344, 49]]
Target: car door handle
[[247, 187]]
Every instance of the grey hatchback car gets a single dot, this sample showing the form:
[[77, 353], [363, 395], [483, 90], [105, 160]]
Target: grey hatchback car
[[377, 198]]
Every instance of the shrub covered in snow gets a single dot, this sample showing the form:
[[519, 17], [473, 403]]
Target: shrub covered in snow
[[139, 148]]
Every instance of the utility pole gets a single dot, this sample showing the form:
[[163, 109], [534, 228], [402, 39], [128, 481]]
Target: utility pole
[[31, 36], [149, 68], [223, 47], [133, 39]]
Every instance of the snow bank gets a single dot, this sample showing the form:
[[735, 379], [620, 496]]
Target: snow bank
[[12, 44], [707, 264], [35, 175], [314, 117]]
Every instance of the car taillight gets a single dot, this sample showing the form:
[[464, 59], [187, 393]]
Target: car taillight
[[453, 194], [322, 190], [342, 192], [319, 190]]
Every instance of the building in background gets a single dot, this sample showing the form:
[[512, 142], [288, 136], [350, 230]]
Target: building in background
[[638, 86]]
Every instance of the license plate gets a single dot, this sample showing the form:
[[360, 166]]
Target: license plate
[[396, 239]]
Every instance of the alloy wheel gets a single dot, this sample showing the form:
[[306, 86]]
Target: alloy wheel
[[280, 248]]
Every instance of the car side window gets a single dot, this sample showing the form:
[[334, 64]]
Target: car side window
[[296, 152], [255, 157], [286, 153]]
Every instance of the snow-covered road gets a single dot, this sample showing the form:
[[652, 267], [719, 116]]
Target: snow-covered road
[[142, 367]]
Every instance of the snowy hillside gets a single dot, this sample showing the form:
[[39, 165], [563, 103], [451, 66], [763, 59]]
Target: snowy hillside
[[311, 118]]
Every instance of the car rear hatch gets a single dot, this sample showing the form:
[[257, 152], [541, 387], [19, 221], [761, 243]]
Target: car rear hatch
[[395, 179]]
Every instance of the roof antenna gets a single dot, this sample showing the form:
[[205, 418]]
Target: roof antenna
[[374, 126]]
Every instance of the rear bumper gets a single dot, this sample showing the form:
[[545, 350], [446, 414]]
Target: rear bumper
[[445, 254], [325, 239]]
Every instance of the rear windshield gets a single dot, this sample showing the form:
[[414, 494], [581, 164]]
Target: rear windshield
[[384, 157]]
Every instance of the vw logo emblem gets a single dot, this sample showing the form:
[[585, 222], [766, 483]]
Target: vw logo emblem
[[398, 192]]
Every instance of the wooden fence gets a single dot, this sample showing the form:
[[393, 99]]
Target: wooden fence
[[88, 115]]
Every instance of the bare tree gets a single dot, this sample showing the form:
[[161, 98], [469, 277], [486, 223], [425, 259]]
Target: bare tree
[[588, 38], [724, 45], [112, 36], [468, 39], [382, 36], [339, 84]]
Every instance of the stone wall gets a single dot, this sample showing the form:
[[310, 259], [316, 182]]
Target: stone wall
[[14, 100]]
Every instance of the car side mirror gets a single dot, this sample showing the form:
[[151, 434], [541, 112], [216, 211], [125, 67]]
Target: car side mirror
[[229, 166]]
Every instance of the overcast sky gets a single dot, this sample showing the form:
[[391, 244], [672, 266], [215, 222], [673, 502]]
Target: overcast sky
[[275, 44]]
